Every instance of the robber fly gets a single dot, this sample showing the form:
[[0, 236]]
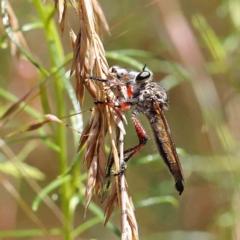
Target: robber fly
[[149, 98]]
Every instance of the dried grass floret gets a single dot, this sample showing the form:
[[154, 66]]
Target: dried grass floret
[[88, 60]]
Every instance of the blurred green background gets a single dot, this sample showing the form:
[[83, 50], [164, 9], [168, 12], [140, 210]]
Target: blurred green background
[[193, 49]]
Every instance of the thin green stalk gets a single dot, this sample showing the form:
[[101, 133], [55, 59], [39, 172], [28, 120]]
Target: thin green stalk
[[57, 59], [8, 29], [31, 111]]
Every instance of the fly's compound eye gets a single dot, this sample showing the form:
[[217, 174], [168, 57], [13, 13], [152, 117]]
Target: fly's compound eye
[[143, 76]]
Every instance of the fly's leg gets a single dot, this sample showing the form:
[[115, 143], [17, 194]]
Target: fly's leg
[[123, 106], [142, 137], [115, 82], [110, 162], [141, 133], [108, 175], [112, 81], [98, 79]]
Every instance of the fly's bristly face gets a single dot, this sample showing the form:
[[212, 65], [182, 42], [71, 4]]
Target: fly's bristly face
[[118, 73]]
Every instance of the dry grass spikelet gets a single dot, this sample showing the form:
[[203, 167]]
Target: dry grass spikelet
[[61, 6], [89, 59], [17, 35]]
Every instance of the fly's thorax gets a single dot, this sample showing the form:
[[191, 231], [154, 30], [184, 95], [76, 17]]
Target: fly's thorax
[[152, 92], [159, 92], [160, 95]]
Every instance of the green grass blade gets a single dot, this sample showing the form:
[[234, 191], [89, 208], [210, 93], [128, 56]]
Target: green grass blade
[[212, 42], [28, 233], [53, 185], [6, 24], [11, 169], [156, 200], [85, 226]]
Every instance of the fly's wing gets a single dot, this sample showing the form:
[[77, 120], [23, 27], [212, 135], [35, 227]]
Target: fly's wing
[[165, 144]]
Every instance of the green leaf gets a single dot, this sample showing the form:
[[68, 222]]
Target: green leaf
[[176, 73], [85, 226], [115, 55], [212, 42], [28, 233], [8, 29], [31, 26], [99, 213], [10, 168], [51, 186], [157, 200], [234, 8], [31, 111]]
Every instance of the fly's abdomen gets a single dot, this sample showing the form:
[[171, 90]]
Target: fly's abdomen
[[166, 146]]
